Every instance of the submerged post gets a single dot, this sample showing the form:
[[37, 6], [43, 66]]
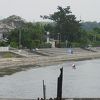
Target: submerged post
[[59, 85], [44, 91]]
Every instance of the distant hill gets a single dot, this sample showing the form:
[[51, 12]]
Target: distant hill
[[88, 26]]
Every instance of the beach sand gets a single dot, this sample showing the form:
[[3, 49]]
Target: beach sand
[[9, 66]]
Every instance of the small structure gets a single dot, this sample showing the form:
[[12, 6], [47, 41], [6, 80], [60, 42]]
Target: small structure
[[51, 41]]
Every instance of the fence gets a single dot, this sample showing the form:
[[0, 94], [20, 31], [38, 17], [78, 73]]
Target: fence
[[4, 49]]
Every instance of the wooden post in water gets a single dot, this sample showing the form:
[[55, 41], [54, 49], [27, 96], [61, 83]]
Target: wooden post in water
[[59, 85], [44, 91]]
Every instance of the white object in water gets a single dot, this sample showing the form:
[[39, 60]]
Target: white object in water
[[73, 65]]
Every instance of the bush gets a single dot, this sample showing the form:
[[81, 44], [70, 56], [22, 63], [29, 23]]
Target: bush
[[62, 45], [14, 44], [3, 43], [45, 45], [75, 44], [8, 55], [96, 44]]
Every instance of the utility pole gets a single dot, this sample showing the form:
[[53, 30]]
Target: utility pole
[[59, 37], [19, 39]]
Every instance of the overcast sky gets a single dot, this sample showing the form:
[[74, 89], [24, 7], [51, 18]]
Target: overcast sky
[[86, 10]]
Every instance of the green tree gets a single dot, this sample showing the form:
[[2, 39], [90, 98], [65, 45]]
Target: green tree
[[66, 23], [27, 35]]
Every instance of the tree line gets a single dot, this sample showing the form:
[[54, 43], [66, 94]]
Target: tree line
[[64, 27]]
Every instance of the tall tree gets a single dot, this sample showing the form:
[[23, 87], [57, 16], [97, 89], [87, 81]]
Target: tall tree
[[66, 23]]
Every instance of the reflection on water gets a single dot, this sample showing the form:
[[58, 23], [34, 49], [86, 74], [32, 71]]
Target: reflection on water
[[84, 81]]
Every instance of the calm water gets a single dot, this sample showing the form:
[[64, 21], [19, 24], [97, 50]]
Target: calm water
[[81, 82]]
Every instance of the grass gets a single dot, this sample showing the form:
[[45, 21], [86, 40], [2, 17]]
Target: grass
[[9, 55]]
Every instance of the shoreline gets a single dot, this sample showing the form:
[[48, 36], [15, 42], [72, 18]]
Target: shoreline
[[9, 66]]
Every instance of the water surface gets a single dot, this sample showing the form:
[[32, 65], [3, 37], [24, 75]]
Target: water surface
[[84, 81]]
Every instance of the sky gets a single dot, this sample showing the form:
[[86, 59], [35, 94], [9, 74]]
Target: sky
[[30, 10]]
